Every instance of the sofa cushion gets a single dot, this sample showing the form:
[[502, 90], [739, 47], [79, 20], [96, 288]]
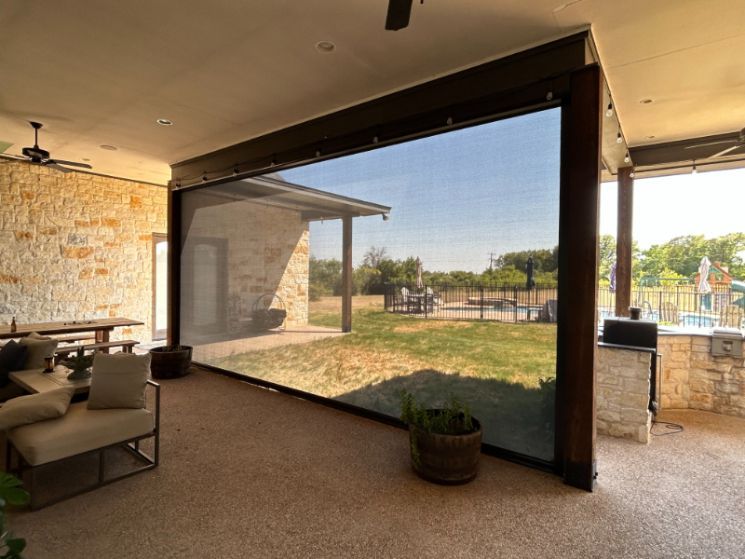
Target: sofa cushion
[[12, 358], [38, 348], [118, 381], [35, 407], [78, 431]]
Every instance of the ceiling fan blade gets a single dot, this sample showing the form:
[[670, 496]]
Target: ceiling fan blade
[[53, 165], [399, 12], [718, 142], [14, 156], [726, 151], [73, 163]]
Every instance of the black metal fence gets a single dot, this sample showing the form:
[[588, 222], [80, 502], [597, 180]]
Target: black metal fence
[[680, 305], [474, 302]]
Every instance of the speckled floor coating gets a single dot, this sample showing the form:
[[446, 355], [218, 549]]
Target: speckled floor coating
[[250, 473]]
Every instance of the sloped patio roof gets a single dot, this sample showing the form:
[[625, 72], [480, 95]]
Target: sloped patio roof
[[313, 204]]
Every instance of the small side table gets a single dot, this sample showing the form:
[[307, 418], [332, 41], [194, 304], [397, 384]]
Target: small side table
[[36, 380]]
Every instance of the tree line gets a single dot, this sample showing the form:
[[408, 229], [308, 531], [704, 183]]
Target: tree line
[[378, 270], [675, 261]]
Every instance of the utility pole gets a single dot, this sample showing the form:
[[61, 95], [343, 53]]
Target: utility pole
[[491, 261]]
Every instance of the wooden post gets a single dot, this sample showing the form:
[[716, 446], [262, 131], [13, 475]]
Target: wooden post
[[346, 275], [174, 267], [578, 257], [624, 240]]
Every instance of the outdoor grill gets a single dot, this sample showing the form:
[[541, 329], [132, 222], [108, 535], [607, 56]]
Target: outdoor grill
[[635, 333]]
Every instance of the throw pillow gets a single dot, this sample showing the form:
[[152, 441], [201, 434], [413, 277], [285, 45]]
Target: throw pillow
[[118, 381], [38, 347], [36, 407], [12, 358]]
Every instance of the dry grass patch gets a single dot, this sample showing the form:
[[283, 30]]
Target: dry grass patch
[[423, 325]]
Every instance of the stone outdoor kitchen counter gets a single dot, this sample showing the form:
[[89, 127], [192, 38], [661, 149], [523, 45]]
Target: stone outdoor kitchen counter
[[690, 378]]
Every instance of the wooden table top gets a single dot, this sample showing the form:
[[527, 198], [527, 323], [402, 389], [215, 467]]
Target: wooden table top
[[67, 327]]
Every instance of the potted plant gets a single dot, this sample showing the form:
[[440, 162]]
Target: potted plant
[[170, 361], [11, 493], [80, 365], [445, 442]]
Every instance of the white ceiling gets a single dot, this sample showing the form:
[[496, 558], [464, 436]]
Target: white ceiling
[[102, 71]]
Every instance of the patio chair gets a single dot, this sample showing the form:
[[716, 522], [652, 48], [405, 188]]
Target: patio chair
[[433, 300], [669, 313], [731, 316], [411, 302]]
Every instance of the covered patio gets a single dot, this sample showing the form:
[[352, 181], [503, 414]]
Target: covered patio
[[186, 121], [264, 475]]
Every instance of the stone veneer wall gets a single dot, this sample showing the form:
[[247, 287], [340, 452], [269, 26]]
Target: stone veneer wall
[[693, 378], [77, 245], [268, 251], [623, 378]]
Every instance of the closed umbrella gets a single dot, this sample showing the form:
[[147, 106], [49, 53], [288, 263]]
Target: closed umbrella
[[419, 281], [703, 283], [703, 276], [529, 280]]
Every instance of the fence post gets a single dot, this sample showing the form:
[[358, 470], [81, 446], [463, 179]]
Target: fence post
[[481, 302], [425, 301]]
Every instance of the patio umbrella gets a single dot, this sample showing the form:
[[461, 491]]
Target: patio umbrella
[[529, 280], [613, 278], [419, 282], [703, 283], [703, 275]]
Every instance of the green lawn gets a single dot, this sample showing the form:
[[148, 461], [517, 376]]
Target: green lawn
[[494, 367]]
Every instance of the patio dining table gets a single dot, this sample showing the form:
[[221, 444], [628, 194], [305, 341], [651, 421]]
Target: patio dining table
[[101, 326]]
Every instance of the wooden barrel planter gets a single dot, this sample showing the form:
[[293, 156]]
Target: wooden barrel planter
[[170, 361], [445, 459]]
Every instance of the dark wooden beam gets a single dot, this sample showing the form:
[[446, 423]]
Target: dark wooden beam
[[173, 335], [682, 150], [624, 239], [511, 83], [578, 254], [346, 275]]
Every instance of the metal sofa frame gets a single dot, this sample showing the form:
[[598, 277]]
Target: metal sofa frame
[[27, 472]]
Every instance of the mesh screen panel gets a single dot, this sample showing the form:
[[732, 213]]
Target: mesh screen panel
[[454, 256]]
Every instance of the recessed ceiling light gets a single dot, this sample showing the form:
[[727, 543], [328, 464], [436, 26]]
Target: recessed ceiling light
[[108, 147], [325, 46], [86, 158], [651, 137], [645, 101], [164, 122]]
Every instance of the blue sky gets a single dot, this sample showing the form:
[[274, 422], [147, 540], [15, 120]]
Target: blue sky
[[707, 203], [455, 197]]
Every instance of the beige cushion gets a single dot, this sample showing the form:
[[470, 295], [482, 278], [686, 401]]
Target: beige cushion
[[38, 347], [37, 336], [36, 407], [78, 431], [119, 381]]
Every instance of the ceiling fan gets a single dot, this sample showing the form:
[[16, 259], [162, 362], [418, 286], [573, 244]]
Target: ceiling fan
[[739, 143], [40, 156]]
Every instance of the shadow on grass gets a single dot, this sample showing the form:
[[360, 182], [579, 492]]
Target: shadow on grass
[[513, 416]]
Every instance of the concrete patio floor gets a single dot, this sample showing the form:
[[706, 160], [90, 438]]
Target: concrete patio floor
[[248, 472]]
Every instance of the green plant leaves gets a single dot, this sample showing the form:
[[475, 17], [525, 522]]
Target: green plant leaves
[[11, 493]]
